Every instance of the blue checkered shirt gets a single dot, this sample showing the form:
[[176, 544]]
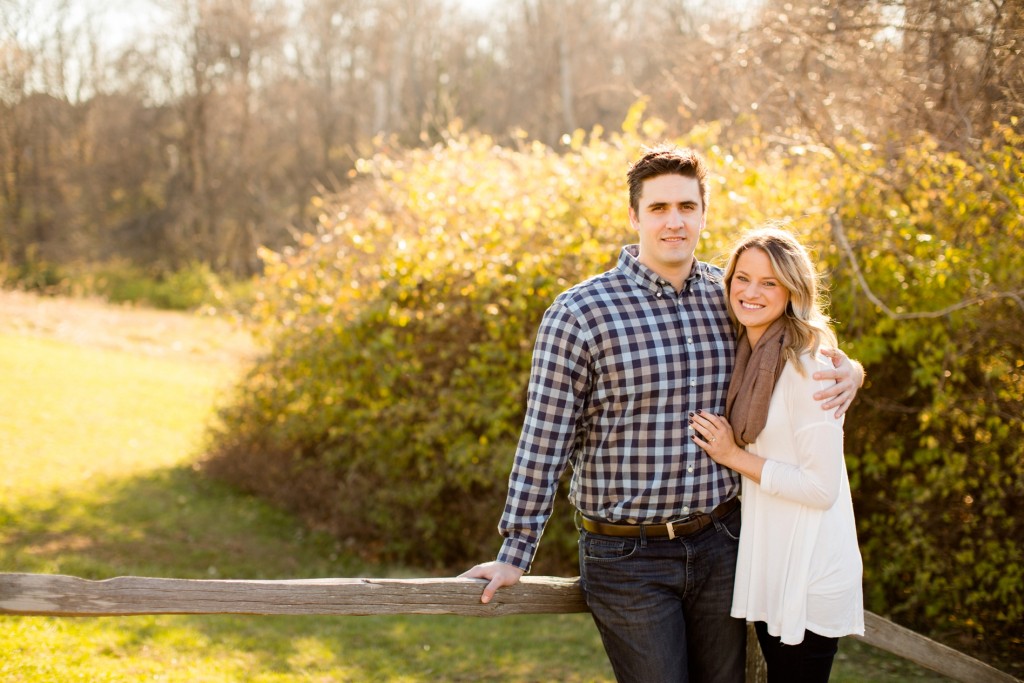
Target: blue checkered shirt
[[619, 362]]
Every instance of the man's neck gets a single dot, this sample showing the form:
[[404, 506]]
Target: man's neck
[[675, 276]]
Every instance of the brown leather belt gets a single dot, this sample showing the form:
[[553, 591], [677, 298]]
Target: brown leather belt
[[674, 529]]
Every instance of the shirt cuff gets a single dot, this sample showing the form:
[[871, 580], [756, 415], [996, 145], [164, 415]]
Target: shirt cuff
[[518, 553]]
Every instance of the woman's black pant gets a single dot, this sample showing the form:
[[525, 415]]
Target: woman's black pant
[[808, 662]]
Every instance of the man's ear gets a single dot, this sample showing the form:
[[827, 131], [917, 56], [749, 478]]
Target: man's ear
[[633, 219]]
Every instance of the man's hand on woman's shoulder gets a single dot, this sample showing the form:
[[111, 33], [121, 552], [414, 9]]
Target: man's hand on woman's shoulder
[[848, 375]]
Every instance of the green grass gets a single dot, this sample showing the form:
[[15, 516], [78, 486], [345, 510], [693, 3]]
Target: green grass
[[96, 480]]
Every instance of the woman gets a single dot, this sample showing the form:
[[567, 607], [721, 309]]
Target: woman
[[798, 576]]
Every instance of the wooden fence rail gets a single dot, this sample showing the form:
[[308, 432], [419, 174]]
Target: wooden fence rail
[[68, 596]]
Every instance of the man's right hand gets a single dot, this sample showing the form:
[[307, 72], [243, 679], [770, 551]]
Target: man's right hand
[[497, 573]]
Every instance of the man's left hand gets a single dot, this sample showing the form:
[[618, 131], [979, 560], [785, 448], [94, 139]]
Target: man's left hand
[[848, 375]]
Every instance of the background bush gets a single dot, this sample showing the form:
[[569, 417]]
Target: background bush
[[389, 408], [190, 287]]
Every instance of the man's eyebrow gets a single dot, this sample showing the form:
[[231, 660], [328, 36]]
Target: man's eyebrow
[[660, 203]]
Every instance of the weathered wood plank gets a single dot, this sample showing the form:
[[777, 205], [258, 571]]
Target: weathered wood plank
[[885, 635], [54, 595]]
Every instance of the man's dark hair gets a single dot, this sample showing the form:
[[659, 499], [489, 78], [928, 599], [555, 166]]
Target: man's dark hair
[[664, 160]]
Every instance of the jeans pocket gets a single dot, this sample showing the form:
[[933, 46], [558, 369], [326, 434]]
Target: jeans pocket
[[607, 548], [731, 523]]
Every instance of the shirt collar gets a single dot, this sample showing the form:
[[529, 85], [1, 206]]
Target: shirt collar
[[647, 278]]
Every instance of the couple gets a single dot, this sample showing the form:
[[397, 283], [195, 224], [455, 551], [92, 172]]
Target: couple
[[671, 388]]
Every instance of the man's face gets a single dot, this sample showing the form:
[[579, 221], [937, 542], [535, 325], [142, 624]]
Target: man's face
[[669, 218]]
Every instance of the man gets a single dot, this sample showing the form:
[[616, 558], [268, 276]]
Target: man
[[619, 363]]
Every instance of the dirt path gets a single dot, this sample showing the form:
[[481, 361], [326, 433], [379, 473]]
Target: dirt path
[[92, 322]]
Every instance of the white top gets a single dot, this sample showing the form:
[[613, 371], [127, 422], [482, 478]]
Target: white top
[[799, 565]]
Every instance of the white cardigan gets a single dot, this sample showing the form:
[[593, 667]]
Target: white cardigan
[[799, 565]]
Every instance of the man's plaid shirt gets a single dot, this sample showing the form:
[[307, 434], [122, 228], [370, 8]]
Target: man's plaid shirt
[[619, 362]]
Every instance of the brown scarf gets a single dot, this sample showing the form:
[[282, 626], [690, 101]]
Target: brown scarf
[[753, 380]]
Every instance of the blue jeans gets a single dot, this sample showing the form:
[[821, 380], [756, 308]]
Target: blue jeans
[[662, 606]]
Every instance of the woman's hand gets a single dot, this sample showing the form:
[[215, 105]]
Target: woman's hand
[[713, 433]]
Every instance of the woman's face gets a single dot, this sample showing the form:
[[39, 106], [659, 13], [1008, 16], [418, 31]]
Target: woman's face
[[757, 297]]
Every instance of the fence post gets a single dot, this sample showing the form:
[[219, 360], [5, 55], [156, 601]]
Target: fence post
[[757, 671]]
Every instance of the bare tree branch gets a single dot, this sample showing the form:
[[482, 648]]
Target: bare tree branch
[[839, 234]]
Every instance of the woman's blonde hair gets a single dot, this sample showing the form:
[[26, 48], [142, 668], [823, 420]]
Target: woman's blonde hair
[[807, 325]]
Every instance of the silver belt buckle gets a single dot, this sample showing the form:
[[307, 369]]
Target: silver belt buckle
[[670, 526]]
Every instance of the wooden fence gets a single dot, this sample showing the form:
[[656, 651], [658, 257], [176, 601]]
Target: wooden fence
[[68, 596]]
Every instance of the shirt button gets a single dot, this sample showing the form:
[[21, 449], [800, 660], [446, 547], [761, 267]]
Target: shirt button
[[693, 382], [689, 340], [690, 469], [686, 509]]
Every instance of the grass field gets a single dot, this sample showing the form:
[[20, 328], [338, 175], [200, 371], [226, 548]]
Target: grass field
[[97, 440]]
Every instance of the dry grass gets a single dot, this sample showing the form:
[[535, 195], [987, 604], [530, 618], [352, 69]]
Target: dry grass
[[194, 337]]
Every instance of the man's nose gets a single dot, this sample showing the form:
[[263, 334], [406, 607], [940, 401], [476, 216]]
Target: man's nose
[[675, 218]]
